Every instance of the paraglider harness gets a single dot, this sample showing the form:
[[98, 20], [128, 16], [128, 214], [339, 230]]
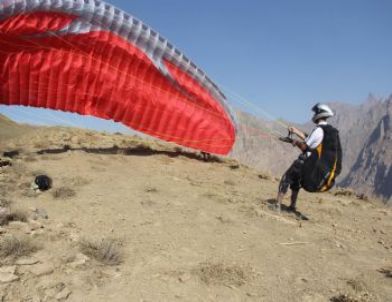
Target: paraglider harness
[[324, 163]]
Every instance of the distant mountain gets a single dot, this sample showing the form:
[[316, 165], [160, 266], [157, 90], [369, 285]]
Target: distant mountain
[[372, 170], [356, 124], [9, 129]]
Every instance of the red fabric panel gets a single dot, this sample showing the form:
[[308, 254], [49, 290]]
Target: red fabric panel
[[101, 74]]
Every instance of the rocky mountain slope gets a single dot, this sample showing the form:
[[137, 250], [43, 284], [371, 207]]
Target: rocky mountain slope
[[10, 129], [133, 220], [372, 170]]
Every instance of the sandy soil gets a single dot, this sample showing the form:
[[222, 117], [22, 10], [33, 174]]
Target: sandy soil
[[187, 230]]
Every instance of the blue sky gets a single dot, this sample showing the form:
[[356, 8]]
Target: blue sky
[[281, 55]]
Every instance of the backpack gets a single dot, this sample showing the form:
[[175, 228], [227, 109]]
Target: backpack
[[324, 164], [43, 182]]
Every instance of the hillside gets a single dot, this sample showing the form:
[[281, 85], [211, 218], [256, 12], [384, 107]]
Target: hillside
[[176, 228], [10, 129], [372, 171]]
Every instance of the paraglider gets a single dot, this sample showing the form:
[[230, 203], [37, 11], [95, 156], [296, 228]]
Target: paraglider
[[318, 165], [90, 58]]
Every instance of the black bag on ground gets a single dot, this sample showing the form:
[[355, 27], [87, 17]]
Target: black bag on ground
[[43, 182], [324, 164]]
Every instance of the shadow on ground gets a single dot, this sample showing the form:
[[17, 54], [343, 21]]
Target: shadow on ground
[[139, 150]]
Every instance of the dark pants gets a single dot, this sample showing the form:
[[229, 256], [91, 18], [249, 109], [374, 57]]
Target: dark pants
[[292, 177]]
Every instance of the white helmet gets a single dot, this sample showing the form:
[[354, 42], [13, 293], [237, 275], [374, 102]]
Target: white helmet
[[321, 111]]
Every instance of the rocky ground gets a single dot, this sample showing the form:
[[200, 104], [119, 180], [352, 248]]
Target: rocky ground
[[132, 220]]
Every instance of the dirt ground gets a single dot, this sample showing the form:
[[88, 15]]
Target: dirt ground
[[183, 229]]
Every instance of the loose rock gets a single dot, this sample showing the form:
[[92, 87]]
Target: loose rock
[[39, 214], [7, 277], [7, 274], [63, 295], [35, 225], [41, 269], [27, 261]]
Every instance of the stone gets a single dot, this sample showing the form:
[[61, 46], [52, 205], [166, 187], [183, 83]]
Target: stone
[[39, 214], [41, 269], [35, 225], [259, 212], [7, 274], [184, 277], [80, 260], [17, 225], [8, 269], [8, 277], [63, 295], [26, 261]]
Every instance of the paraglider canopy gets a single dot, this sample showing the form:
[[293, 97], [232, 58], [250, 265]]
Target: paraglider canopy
[[88, 57]]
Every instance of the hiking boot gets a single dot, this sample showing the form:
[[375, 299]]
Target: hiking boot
[[292, 208]]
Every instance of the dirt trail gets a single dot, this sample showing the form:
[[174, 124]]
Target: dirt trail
[[189, 230]]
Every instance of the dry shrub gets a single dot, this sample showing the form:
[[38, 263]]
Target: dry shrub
[[18, 215], [3, 217], [106, 250], [363, 197], [63, 193], [264, 176], [344, 192], [221, 274], [150, 189], [344, 298], [14, 215], [12, 246]]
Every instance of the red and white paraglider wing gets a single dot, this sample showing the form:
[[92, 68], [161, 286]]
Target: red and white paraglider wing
[[91, 58]]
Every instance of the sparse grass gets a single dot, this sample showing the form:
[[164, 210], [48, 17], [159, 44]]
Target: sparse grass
[[63, 193], [229, 182], [219, 273], [357, 285], [5, 203], [12, 246], [106, 250], [77, 181], [362, 297]]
